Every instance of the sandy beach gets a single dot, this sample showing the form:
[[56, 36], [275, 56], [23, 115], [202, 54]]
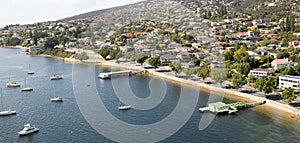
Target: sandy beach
[[287, 109]]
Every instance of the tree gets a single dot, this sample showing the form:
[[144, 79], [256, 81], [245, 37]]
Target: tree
[[104, 52], [282, 54], [188, 71], [176, 67], [265, 84], [243, 68], [268, 86], [259, 83], [51, 42], [238, 79], [154, 61], [289, 94], [241, 55], [219, 75], [249, 78], [113, 53], [297, 68], [289, 71], [228, 56], [142, 60], [81, 56], [204, 73], [13, 41]]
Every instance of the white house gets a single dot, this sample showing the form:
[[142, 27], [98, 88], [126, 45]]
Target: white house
[[286, 81], [35, 48], [277, 63], [257, 73]]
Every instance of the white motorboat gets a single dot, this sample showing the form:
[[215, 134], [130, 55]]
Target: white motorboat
[[28, 130], [56, 77], [125, 107], [56, 99], [30, 71], [5, 112], [13, 84]]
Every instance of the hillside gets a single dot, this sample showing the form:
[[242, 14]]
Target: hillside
[[96, 13]]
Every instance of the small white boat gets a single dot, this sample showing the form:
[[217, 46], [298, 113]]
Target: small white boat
[[30, 72], [5, 112], [13, 84], [125, 107], [56, 99], [28, 130], [56, 77], [26, 88]]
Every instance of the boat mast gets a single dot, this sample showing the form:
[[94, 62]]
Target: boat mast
[[1, 100]]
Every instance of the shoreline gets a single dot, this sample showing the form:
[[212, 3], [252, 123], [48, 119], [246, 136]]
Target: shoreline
[[285, 108], [236, 95]]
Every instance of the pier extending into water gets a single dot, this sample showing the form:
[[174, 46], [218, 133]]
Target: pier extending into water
[[110, 75], [221, 107]]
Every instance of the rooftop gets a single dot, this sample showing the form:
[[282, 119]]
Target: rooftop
[[291, 76]]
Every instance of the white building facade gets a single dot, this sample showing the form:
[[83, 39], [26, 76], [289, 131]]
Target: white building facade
[[286, 81], [257, 73]]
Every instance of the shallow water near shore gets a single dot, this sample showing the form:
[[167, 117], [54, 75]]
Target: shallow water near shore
[[63, 122]]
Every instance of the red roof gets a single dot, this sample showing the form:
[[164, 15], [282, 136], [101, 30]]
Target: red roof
[[240, 33], [128, 35]]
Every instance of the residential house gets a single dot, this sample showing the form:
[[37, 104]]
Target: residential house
[[187, 65], [294, 43], [35, 48], [168, 58], [253, 54], [277, 63], [286, 81], [200, 54], [257, 73], [185, 49]]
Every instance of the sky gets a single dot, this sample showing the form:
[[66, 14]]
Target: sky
[[31, 11]]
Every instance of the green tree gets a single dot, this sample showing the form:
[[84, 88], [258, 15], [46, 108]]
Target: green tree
[[268, 86], [219, 75], [259, 83], [238, 80], [297, 68], [13, 41], [203, 73], [176, 67], [289, 71], [282, 54], [113, 53], [188, 71], [154, 61], [81, 56], [241, 55], [104, 52], [229, 56], [142, 60], [51, 42], [289, 94]]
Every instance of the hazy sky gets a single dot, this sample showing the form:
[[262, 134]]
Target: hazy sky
[[30, 11]]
